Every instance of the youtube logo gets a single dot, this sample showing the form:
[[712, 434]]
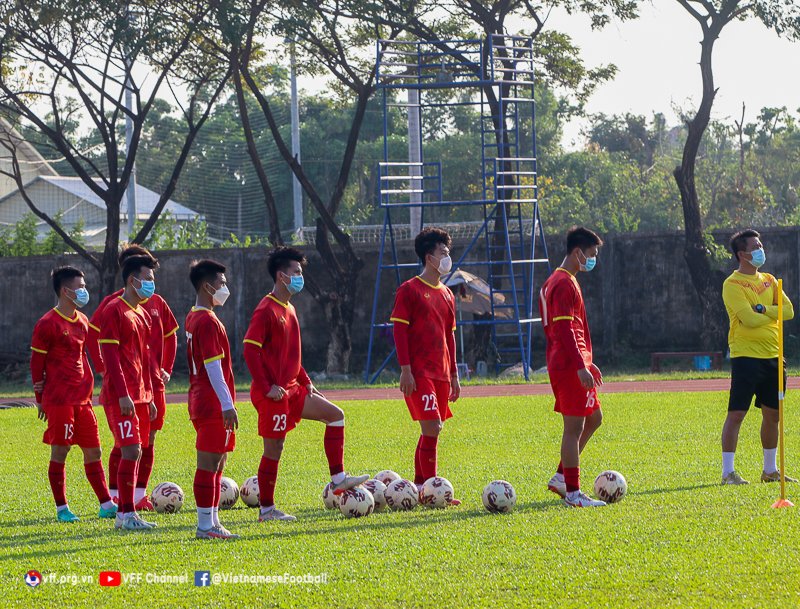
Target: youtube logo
[[109, 578]]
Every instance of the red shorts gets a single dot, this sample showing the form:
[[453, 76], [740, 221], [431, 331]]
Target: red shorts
[[133, 429], [71, 426], [276, 419], [212, 437], [430, 400], [161, 406], [572, 399]]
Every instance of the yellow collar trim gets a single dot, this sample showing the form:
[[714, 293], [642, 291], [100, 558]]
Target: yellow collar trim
[[285, 306], [561, 268], [435, 287], [65, 317], [136, 308]]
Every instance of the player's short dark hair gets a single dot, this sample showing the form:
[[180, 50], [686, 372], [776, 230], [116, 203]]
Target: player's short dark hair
[[132, 249], [134, 264], [582, 237], [281, 256], [61, 274], [204, 271], [739, 241], [426, 241]]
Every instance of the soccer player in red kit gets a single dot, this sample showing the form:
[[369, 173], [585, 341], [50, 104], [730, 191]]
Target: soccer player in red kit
[[281, 391], [163, 346], [211, 394], [127, 394], [573, 375], [424, 324], [60, 368]]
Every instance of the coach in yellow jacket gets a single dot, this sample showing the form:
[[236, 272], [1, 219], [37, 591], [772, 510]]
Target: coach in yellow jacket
[[751, 299]]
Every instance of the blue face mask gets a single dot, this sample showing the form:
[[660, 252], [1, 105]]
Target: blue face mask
[[81, 297], [295, 284], [147, 290], [589, 264], [759, 258]]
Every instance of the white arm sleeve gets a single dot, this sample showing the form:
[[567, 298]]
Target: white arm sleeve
[[214, 370]]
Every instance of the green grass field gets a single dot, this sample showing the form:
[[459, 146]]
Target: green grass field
[[678, 539]]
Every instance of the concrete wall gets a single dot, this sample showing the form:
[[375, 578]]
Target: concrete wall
[[639, 297]]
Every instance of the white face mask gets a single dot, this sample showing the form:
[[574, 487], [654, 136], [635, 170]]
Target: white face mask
[[220, 296], [445, 264]]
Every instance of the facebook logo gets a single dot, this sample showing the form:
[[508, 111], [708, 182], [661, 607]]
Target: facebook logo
[[202, 578]]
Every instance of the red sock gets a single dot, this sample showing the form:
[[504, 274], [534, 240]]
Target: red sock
[[113, 466], [267, 475], [96, 476], [145, 467], [572, 477], [58, 482], [126, 481], [204, 488], [560, 469], [418, 477], [217, 488], [428, 456], [334, 448]]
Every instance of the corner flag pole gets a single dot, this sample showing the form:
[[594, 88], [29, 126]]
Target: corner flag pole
[[782, 502]]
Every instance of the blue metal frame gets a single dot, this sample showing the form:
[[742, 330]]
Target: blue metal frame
[[503, 168]]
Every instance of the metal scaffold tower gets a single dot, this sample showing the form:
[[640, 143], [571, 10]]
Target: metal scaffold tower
[[500, 72]]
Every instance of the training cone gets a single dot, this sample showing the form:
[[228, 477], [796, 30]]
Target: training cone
[[782, 503]]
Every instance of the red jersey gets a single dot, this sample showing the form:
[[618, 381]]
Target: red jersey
[[430, 314], [164, 326], [206, 341], [68, 378], [129, 328], [274, 329], [561, 300], [92, 345]]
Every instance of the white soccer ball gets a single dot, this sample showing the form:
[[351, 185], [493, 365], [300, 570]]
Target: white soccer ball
[[229, 493], [330, 500], [387, 476], [249, 492], [356, 503], [402, 495], [378, 490], [610, 486], [437, 492], [167, 498], [499, 496]]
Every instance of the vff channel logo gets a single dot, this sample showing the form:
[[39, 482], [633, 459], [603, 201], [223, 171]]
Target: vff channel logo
[[33, 578], [202, 578]]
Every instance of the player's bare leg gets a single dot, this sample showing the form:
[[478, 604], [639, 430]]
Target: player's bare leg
[[730, 439], [140, 499], [267, 476], [96, 476], [574, 429], [769, 441], [317, 408], [56, 473]]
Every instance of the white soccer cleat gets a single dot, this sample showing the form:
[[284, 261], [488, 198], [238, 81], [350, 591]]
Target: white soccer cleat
[[582, 500], [558, 486], [152, 525], [734, 478], [215, 532], [275, 514], [348, 483], [132, 522]]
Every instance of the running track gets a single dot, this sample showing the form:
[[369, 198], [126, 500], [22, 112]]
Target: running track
[[485, 391]]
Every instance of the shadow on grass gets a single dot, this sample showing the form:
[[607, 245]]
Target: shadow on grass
[[658, 491]]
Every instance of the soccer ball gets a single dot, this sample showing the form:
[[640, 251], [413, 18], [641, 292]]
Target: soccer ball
[[402, 495], [378, 490], [499, 496], [386, 476], [229, 493], [167, 498], [610, 486], [249, 492], [356, 503], [330, 500], [436, 493]]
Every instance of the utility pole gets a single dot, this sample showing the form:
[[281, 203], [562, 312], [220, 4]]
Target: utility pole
[[414, 159], [297, 191], [131, 191]]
